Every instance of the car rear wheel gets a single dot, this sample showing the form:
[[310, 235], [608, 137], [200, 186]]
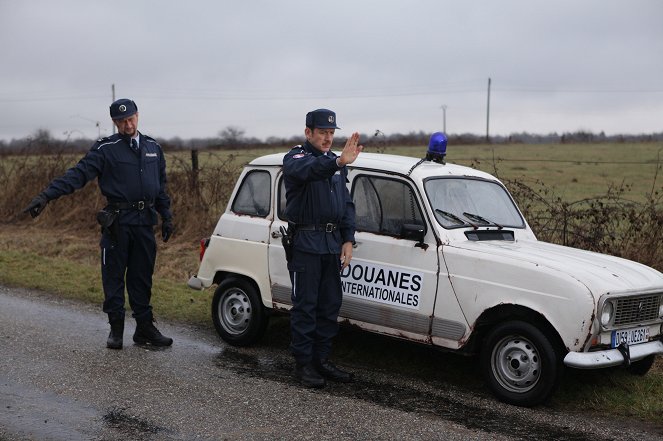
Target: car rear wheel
[[520, 363], [238, 314]]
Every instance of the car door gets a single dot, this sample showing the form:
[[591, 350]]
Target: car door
[[391, 283], [278, 266]]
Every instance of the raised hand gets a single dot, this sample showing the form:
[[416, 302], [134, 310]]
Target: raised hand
[[351, 150]]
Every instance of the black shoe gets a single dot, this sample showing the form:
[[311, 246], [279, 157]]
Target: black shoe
[[327, 369], [147, 333], [116, 333], [308, 376]]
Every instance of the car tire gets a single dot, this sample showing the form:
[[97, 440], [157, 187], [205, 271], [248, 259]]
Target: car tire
[[520, 364], [238, 313], [641, 367]]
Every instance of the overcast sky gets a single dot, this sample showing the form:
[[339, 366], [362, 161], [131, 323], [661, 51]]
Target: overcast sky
[[197, 67]]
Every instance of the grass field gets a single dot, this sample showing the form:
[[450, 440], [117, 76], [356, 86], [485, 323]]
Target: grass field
[[62, 257]]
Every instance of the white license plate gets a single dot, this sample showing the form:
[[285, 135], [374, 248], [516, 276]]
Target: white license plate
[[630, 336]]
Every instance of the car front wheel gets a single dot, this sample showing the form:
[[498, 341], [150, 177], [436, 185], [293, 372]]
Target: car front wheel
[[238, 314], [520, 363]]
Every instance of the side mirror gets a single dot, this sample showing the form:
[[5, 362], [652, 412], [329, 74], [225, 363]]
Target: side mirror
[[414, 232]]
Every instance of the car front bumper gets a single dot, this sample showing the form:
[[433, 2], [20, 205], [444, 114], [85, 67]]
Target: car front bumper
[[613, 357]]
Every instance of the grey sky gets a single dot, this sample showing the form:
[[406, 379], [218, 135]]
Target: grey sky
[[197, 67]]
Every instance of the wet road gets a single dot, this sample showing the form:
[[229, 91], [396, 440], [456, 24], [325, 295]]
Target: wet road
[[59, 382]]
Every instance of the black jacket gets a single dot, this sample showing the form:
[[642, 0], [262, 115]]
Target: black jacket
[[317, 194], [124, 176]]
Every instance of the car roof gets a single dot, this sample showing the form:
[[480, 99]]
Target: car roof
[[393, 163]]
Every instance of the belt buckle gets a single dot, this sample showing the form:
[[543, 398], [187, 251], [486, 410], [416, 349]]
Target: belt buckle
[[329, 228], [141, 205]]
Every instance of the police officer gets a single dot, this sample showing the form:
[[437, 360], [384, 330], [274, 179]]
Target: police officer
[[321, 213], [131, 171]]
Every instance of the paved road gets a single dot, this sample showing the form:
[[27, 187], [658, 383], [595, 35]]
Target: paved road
[[59, 382]]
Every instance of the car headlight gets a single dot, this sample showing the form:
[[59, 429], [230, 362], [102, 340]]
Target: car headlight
[[660, 308], [607, 313]]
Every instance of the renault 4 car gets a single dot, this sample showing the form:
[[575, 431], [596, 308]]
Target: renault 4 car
[[443, 257]]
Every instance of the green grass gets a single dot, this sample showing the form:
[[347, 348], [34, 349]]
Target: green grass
[[171, 299], [574, 171]]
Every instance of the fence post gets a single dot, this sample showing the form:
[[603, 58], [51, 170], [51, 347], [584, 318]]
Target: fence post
[[194, 168]]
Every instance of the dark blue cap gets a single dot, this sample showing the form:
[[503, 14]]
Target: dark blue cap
[[123, 108], [321, 119]]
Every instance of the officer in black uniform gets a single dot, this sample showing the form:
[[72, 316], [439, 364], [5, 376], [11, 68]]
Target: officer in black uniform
[[322, 216], [131, 171]]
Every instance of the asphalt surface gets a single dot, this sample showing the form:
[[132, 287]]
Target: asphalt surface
[[59, 382]]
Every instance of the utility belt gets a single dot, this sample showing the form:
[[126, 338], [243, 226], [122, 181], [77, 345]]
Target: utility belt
[[138, 205], [327, 228], [288, 234]]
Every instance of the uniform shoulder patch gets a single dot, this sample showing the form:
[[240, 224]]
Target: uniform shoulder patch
[[297, 152]]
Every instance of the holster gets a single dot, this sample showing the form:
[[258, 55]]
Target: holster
[[287, 239], [107, 218]]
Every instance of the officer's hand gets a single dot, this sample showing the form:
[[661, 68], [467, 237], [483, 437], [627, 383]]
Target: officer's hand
[[167, 229], [350, 151], [346, 255], [37, 205]]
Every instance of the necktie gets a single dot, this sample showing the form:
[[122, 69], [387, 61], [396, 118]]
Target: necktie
[[134, 144]]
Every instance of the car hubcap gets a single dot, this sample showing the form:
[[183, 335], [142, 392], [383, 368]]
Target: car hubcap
[[516, 364], [235, 312]]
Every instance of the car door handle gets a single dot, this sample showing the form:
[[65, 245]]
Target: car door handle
[[276, 234]]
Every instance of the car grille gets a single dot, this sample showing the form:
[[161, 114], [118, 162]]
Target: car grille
[[633, 310]]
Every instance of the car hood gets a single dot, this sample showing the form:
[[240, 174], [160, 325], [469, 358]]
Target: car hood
[[600, 273]]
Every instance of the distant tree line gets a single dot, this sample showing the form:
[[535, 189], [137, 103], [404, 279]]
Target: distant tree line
[[233, 137]]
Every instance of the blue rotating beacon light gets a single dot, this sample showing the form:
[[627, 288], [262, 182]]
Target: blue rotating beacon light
[[437, 148]]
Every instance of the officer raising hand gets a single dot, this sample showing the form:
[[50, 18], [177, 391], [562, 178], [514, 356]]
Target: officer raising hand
[[131, 172], [321, 214]]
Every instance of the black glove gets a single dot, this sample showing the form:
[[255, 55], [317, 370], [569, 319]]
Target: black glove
[[37, 205], [167, 229]]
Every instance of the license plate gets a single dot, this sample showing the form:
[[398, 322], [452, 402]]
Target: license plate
[[630, 336]]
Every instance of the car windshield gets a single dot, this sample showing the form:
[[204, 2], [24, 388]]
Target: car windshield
[[463, 202]]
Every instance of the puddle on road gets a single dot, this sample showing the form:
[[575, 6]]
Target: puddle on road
[[408, 400]]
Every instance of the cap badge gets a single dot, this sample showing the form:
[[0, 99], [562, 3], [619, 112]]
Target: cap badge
[[330, 119], [123, 108]]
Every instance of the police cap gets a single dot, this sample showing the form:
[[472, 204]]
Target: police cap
[[123, 108], [321, 119]]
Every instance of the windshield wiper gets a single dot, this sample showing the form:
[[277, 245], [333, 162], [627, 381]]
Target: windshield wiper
[[481, 219], [453, 217]]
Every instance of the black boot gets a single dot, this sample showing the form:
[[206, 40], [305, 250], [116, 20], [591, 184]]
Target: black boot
[[327, 369], [306, 374], [147, 333], [116, 333]]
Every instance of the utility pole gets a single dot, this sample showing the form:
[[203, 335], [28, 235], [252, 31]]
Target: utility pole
[[113, 93], [488, 114], [444, 118]]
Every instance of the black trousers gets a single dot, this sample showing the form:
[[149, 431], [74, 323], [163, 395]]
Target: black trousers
[[316, 299], [128, 263]]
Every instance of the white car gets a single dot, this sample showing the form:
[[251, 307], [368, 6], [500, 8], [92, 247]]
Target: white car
[[443, 257]]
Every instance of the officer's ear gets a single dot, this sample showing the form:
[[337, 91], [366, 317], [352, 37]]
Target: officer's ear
[[308, 132]]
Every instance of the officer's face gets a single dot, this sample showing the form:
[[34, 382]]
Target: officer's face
[[321, 139], [127, 126]]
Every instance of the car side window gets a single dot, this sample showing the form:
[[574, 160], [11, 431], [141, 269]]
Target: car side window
[[383, 205], [254, 194]]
